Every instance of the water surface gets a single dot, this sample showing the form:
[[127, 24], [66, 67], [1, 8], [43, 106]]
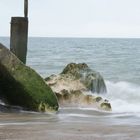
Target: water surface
[[118, 60]]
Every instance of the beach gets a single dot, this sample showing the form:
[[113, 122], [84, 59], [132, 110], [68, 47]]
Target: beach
[[118, 62], [98, 126]]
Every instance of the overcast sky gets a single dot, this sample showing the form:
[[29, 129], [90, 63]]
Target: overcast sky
[[75, 18]]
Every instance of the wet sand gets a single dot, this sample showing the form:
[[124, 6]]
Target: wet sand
[[66, 126], [71, 132]]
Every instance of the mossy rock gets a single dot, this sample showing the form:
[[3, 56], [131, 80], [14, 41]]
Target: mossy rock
[[22, 86]]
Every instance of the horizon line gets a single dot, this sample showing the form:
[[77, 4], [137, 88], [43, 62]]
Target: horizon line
[[79, 37]]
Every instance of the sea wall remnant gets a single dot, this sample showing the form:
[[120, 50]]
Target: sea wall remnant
[[22, 86]]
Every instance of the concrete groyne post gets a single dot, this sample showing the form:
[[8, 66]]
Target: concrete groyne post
[[25, 8], [19, 34]]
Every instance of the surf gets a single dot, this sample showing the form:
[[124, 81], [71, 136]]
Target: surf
[[124, 96]]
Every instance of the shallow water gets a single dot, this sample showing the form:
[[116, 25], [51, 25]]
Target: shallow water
[[77, 124], [116, 59]]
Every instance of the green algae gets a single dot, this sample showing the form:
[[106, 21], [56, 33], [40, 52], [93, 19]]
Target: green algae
[[22, 86]]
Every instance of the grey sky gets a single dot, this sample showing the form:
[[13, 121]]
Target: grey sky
[[75, 18]]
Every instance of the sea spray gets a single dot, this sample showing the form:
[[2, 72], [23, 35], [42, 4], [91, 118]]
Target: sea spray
[[1, 102], [124, 97]]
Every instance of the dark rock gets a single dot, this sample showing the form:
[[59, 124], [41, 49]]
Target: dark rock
[[76, 93], [59, 96], [105, 106], [98, 99], [65, 94]]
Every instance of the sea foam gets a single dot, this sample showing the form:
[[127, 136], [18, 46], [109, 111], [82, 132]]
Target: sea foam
[[124, 97]]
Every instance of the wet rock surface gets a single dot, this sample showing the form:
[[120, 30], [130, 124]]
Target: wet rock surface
[[78, 85], [22, 86]]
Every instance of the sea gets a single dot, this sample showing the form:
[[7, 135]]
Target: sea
[[117, 60]]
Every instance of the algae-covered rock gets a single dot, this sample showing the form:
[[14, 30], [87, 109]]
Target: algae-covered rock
[[22, 86]]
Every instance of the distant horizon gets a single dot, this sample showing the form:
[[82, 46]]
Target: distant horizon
[[77, 37]]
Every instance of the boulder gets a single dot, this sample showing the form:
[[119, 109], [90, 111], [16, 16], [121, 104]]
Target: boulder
[[22, 86], [92, 80], [77, 85]]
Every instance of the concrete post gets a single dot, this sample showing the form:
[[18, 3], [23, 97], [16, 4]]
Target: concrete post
[[19, 37], [25, 8]]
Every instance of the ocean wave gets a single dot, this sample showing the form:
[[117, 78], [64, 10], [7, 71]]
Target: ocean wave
[[124, 96]]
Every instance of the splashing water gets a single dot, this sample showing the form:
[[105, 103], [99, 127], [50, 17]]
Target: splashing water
[[1, 102], [124, 97]]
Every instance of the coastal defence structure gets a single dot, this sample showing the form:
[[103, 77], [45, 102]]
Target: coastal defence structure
[[19, 34]]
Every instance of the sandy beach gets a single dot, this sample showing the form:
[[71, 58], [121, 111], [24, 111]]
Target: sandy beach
[[42, 132], [77, 123]]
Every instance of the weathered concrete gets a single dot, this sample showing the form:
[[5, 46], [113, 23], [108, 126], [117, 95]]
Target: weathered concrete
[[25, 8], [22, 86], [19, 37]]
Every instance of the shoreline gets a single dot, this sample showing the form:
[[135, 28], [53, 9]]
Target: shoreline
[[61, 127], [23, 133]]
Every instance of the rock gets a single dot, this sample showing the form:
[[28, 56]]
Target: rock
[[65, 94], [73, 85], [22, 86], [78, 77], [98, 99], [91, 79], [105, 106], [75, 69]]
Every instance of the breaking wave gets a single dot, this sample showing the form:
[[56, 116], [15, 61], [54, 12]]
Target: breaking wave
[[124, 97]]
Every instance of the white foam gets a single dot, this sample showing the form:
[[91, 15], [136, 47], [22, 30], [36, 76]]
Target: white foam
[[124, 96], [1, 102]]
